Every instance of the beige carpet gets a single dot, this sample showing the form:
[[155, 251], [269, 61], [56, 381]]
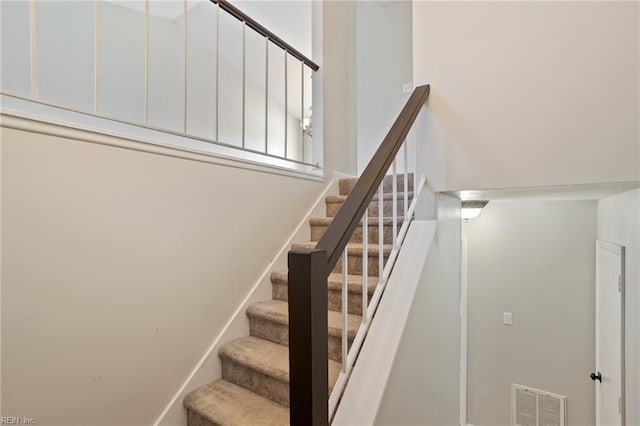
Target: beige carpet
[[254, 388]]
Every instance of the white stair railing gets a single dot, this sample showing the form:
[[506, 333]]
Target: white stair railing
[[310, 402], [385, 269]]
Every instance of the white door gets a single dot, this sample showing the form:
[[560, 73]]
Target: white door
[[609, 369]]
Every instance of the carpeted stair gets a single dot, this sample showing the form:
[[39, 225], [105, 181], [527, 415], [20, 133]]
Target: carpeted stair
[[254, 388]]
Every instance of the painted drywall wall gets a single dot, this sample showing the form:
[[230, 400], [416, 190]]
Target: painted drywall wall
[[529, 93], [423, 387], [339, 85], [119, 268], [15, 44], [619, 222], [277, 16], [535, 259], [383, 65]]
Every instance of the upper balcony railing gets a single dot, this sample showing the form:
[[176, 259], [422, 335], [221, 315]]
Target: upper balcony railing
[[198, 69], [256, 26]]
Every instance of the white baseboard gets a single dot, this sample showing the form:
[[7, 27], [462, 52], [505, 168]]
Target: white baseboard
[[209, 368]]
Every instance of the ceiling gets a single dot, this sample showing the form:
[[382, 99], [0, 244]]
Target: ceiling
[[548, 193]]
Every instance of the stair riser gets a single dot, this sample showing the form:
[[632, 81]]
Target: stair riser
[[346, 185], [279, 333], [255, 381], [354, 265], [195, 419], [387, 208], [280, 292], [387, 231]]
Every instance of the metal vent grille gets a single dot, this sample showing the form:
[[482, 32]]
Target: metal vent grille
[[533, 407]]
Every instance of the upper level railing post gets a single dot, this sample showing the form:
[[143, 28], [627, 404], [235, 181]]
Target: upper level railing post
[[308, 338]]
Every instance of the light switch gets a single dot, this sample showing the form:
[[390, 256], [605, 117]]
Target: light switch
[[507, 318]]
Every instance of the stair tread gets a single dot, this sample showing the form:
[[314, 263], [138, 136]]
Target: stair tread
[[371, 221], [334, 282], [352, 248], [385, 197], [267, 357], [278, 311], [226, 404]]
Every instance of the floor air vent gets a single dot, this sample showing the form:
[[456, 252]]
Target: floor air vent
[[533, 407]]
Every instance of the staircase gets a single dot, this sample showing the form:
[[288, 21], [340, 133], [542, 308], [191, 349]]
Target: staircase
[[254, 388]]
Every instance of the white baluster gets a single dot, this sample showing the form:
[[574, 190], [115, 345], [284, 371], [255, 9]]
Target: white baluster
[[286, 96], [96, 57], [345, 301], [415, 166], [302, 110], [380, 232], [266, 95], [217, 72], [146, 62], [394, 194], [186, 58], [406, 179], [244, 82], [365, 263]]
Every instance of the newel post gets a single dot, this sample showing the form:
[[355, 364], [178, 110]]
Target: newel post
[[308, 338]]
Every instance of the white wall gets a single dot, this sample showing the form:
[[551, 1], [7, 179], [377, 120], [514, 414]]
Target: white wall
[[619, 222], [529, 93], [535, 259], [65, 68], [122, 47], [289, 20], [383, 65], [339, 85], [423, 387], [120, 267], [14, 43]]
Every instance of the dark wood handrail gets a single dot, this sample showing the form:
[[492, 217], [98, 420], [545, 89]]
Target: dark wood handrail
[[308, 273], [260, 29], [337, 235]]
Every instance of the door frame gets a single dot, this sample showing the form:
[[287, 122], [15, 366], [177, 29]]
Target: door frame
[[620, 251], [464, 314]]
